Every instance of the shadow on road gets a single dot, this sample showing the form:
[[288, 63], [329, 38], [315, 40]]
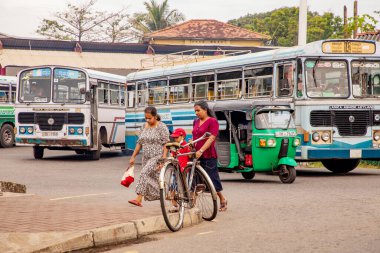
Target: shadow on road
[[80, 158], [315, 173]]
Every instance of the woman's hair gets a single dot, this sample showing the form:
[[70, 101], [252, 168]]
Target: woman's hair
[[203, 104], [153, 111]]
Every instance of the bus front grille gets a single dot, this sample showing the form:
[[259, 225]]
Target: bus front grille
[[50, 121], [349, 123]]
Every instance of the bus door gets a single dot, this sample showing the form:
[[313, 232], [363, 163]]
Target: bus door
[[285, 79], [94, 113]]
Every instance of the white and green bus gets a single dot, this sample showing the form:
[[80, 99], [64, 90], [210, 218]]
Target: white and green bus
[[333, 85], [7, 116], [66, 108]]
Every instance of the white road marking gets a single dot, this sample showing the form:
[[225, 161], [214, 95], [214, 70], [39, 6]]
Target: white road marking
[[81, 196], [205, 233]]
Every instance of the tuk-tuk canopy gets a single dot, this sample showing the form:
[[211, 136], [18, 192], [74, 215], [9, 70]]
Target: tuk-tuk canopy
[[244, 105]]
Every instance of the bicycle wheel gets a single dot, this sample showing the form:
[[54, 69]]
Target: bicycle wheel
[[204, 194], [172, 197]]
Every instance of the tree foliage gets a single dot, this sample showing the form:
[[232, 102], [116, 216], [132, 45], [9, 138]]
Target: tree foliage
[[83, 22], [282, 25], [157, 17], [364, 23]]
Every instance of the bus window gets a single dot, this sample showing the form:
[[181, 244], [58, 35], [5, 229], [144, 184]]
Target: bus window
[[179, 90], [285, 80], [131, 93], [326, 78], [4, 94], [122, 95], [103, 93], [299, 79], [141, 94], [366, 78], [204, 87], [35, 85], [258, 81], [67, 86], [229, 84], [157, 92], [114, 94]]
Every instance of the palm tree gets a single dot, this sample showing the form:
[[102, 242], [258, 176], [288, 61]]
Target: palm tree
[[157, 17]]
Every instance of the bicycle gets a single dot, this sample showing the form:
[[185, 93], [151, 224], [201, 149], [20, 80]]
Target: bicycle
[[189, 188]]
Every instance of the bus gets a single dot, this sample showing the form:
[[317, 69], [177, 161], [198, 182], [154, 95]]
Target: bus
[[7, 116], [66, 108], [333, 85]]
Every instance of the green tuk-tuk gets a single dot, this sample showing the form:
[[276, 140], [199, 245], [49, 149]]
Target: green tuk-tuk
[[255, 137]]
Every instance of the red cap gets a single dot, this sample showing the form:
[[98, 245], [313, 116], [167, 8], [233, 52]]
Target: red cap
[[178, 132]]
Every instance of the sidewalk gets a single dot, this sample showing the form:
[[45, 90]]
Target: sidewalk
[[36, 224]]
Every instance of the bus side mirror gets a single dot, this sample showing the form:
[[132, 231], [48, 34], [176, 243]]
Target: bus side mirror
[[88, 95]]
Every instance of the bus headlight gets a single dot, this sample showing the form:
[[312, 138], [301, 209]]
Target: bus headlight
[[376, 117], [80, 130], [376, 136], [326, 136], [71, 130], [30, 130], [316, 136], [296, 142], [22, 130]]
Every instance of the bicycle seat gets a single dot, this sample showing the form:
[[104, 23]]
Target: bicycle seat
[[170, 145]]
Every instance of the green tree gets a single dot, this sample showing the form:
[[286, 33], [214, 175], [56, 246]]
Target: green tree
[[365, 23], [282, 25], [77, 22], [157, 17]]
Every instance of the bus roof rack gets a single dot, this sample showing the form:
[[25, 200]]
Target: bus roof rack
[[188, 56]]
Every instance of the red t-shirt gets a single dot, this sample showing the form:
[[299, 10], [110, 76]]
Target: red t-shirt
[[183, 159], [210, 125]]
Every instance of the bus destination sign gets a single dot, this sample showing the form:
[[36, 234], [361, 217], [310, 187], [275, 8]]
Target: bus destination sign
[[348, 47]]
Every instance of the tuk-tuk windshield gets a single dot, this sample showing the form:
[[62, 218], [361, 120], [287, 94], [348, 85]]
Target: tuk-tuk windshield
[[274, 119]]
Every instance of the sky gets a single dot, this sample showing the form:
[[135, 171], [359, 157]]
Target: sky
[[22, 17]]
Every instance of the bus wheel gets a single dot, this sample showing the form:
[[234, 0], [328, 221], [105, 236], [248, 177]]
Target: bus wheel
[[248, 175], [341, 166], [38, 152], [287, 174], [7, 136]]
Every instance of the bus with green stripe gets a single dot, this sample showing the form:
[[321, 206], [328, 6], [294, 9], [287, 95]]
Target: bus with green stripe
[[7, 110]]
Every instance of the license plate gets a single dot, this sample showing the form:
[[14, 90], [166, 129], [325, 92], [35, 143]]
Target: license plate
[[46, 134], [285, 134]]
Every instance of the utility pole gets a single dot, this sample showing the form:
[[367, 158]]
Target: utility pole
[[302, 23], [345, 28], [355, 18]]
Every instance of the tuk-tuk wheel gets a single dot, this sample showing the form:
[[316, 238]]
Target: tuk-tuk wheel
[[287, 174], [248, 175]]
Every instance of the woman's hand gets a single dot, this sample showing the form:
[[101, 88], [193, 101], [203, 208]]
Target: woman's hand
[[132, 161], [198, 154]]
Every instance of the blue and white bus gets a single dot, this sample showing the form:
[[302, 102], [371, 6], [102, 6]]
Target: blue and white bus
[[334, 86]]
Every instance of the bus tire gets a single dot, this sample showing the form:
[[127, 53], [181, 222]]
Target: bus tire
[[248, 175], [38, 152], [287, 174], [341, 166], [7, 136]]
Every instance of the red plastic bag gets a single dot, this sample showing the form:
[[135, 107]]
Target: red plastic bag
[[128, 177]]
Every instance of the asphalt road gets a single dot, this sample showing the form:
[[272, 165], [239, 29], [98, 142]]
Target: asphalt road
[[319, 212]]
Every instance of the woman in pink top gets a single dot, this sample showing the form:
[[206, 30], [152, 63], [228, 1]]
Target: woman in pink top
[[206, 151]]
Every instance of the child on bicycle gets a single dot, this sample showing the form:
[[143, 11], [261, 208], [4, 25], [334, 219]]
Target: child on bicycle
[[179, 136]]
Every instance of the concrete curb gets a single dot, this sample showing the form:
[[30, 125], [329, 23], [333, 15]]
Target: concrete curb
[[114, 234]]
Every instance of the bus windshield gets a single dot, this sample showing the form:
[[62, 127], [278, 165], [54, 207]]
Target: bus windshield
[[69, 86], [366, 78], [326, 78], [35, 85], [274, 119]]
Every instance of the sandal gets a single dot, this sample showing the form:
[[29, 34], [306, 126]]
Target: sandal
[[223, 206], [135, 203]]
